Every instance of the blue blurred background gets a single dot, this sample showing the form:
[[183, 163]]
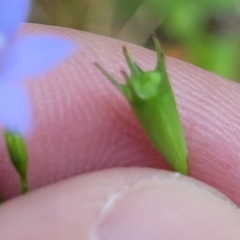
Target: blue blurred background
[[205, 33]]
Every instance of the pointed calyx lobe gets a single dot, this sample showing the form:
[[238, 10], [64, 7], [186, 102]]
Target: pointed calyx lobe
[[152, 100]]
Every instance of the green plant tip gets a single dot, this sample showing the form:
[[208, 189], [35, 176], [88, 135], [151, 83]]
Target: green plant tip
[[152, 100], [18, 155]]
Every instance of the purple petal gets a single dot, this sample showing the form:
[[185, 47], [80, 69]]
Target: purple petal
[[12, 14], [14, 107], [33, 55]]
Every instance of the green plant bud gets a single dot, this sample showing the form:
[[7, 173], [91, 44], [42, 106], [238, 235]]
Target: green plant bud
[[18, 156], [152, 100]]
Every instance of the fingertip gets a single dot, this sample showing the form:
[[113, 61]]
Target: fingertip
[[130, 203], [82, 123]]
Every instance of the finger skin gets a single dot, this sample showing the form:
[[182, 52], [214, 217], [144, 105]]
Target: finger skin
[[79, 208], [82, 123]]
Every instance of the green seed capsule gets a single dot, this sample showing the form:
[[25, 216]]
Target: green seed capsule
[[152, 100]]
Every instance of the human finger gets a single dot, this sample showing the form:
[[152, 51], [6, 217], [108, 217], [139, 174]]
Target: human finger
[[83, 124], [130, 203]]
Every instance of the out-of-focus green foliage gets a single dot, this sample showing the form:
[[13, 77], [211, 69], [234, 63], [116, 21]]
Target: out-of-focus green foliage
[[67, 13], [124, 10], [208, 29]]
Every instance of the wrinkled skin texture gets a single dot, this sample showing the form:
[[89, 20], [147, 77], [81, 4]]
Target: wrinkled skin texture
[[83, 124]]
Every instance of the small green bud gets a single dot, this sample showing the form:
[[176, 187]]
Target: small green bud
[[152, 100], [18, 155]]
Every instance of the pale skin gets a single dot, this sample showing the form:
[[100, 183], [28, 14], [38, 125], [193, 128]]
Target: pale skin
[[82, 123]]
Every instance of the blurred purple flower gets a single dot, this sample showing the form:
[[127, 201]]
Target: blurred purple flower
[[21, 58], [12, 14]]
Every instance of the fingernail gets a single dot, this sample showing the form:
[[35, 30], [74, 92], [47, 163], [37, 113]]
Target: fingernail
[[169, 210]]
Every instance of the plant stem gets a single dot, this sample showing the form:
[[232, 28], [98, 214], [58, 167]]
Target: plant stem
[[1, 199], [24, 185]]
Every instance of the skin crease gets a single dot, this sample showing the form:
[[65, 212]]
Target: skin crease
[[74, 107]]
